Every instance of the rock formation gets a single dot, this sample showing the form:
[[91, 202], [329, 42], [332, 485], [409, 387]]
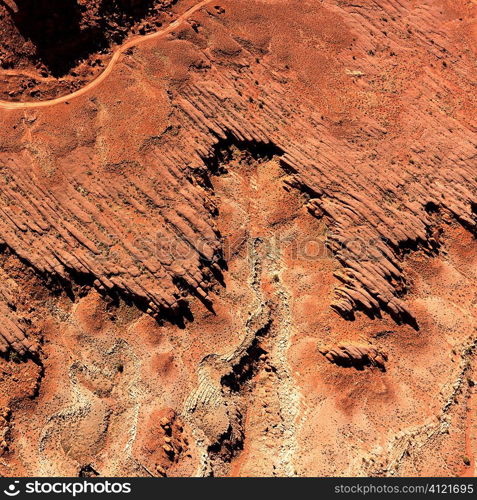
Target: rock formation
[[357, 356], [186, 215]]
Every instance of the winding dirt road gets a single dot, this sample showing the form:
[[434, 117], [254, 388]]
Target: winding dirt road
[[97, 81]]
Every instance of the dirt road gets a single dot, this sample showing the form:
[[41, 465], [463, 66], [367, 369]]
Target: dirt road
[[97, 81]]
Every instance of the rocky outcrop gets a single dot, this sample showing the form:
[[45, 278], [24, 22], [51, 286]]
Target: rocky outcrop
[[356, 356], [15, 330]]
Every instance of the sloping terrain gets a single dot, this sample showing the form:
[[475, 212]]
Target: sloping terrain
[[246, 246]]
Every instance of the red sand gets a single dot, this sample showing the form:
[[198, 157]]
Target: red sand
[[244, 245]]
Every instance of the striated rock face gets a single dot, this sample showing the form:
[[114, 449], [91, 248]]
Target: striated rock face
[[212, 203]]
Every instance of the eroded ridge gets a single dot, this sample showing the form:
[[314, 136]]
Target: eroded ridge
[[357, 356], [96, 224]]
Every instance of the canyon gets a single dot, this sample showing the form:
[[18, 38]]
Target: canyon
[[237, 238]]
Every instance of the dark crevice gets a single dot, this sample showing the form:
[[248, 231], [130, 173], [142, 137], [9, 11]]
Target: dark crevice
[[248, 365], [223, 152], [431, 208], [229, 443], [88, 471], [36, 358]]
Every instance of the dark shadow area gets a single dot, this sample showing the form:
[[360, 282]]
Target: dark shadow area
[[216, 164], [223, 151], [247, 366], [228, 443], [65, 32], [431, 208], [358, 364], [88, 471]]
